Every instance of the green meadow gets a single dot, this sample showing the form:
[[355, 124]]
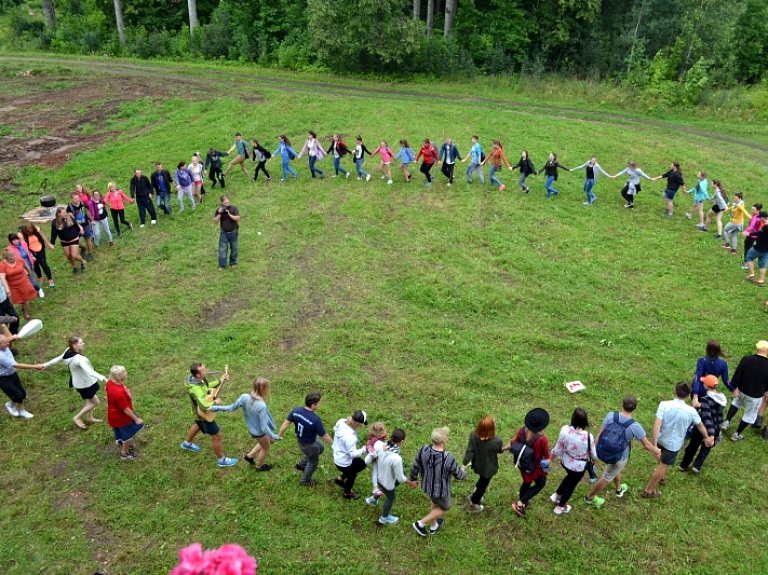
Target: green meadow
[[423, 306]]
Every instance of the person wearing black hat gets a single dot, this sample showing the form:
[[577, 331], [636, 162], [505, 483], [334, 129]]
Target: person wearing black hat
[[534, 481], [346, 455]]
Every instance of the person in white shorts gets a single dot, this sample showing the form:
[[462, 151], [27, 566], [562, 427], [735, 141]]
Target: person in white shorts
[[750, 382]]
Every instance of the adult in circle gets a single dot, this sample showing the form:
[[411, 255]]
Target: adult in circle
[[593, 169], [526, 169], [259, 421], [286, 154], [346, 455], [141, 189], [20, 247], [496, 157], [713, 363], [430, 155], [242, 154], [674, 183], [184, 182], [550, 168], [719, 207], [9, 379], [114, 200], [632, 187], [750, 234], [69, 231], [100, 219], [310, 434], [483, 455], [314, 152], [336, 150], [759, 252], [531, 434], [37, 243], [575, 446], [14, 274], [82, 377]]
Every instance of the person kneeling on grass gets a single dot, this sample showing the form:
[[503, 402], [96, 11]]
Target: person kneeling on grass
[[259, 421], [614, 444], [436, 467], [120, 414], [390, 474]]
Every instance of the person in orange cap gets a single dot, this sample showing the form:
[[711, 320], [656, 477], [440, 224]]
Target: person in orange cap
[[711, 406]]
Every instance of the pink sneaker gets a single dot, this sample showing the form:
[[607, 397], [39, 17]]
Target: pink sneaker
[[502, 187]]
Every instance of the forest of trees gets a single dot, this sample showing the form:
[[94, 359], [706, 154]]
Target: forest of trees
[[687, 42]]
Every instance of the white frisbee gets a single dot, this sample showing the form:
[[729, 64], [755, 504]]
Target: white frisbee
[[31, 327]]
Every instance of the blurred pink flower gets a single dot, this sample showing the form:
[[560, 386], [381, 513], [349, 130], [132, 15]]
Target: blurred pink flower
[[228, 559]]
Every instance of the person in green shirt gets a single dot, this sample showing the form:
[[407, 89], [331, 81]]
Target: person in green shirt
[[197, 387]]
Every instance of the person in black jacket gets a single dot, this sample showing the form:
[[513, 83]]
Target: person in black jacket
[[759, 252], [260, 155], [674, 182], [161, 183], [551, 169], [213, 166], [750, 381], [449, 153], [526, 169], [141, 189]]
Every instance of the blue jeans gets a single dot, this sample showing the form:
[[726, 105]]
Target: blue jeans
[[359, 167], [287, 168], [494, 179], [761, 257], [313, 170], [337, 166], [548, 185], [521, 181], [310, 458], [163, 200], [227, 240], [475, 168], [588, 185]]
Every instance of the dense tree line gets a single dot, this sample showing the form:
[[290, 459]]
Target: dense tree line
[[704, 42]]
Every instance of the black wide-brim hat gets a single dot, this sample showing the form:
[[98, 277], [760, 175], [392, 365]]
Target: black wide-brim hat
[[537, 420]]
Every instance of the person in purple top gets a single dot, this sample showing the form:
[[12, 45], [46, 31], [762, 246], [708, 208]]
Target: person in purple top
[[711, 364]]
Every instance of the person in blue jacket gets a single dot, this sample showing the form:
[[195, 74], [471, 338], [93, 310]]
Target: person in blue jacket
[[449, 153], [287, 154]]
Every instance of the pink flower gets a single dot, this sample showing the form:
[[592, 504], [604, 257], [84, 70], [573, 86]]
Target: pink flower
[[228, 559]]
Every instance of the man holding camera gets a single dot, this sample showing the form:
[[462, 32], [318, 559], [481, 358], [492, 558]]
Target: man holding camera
[[228, 216]]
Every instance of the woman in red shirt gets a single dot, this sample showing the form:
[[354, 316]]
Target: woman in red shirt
[[429, 152], [120, 415], [536, 421]]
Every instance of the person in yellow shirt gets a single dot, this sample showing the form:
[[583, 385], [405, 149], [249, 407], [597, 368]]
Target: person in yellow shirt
[[736, 225]]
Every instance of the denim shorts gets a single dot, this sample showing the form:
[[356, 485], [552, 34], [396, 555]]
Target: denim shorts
[[668, 457], [670, 194], [761, 257]]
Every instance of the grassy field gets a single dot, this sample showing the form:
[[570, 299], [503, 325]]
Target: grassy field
[[423, 306]]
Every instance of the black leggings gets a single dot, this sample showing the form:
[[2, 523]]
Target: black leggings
[[119, 214], [349, 474], [263, 167], [11, 385], [41, 264], [530, 490], [568, 485], [748, 243], [424, 169], [480, 487], [6, 308], [447, 170], [627, 196]]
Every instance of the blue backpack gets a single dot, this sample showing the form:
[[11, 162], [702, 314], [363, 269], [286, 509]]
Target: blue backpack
[[613, 440]]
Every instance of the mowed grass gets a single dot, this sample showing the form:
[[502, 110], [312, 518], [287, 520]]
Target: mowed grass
[[423, 306]]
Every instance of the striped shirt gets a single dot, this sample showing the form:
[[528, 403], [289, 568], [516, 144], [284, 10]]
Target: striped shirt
[[436, 468]]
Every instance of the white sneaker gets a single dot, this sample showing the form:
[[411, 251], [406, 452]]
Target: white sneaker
[[334, 176], [25, 414], [562, 510], [368, 178], [725, 425], [153, 222], [554, 498], [389, 182], [40, 293], [348, 176], [142, 225], [382, 177], [359, 178], [11, 409]]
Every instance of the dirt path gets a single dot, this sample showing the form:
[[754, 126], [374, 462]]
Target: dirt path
[[130, 80]]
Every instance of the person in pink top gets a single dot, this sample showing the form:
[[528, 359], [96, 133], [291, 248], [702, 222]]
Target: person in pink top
[[387, 155], [575, 447], [114, 200]]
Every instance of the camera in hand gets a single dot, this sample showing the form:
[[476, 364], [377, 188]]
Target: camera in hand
[[224, 208]]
